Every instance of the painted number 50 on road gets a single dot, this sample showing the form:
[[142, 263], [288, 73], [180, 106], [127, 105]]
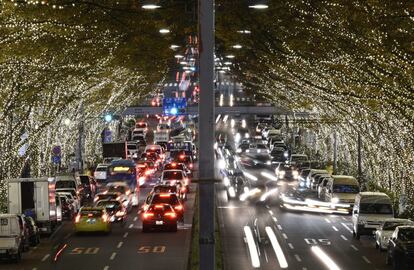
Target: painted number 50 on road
[[312, 241]]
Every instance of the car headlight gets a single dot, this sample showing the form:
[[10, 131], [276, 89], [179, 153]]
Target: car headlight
[[247, 135], [232, 192], [285, 154], [295, 173], [238, 137], [268, 162], [238, 150], [247, 151], [226, 181], [335, 200]]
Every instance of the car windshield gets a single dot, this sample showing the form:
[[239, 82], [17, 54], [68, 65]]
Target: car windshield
[[65, 184], [120, 189], [375, 208], [109, 205], [391, 225], [346, 189], [165, 198], [407, 234], [172, 175], [91, 213]]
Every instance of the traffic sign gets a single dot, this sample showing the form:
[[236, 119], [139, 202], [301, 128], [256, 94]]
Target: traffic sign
[[57, 150], [174, 106], [56, 159]]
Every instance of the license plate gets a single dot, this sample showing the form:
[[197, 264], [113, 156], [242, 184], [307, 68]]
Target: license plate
[[159, 222], [91, 221]]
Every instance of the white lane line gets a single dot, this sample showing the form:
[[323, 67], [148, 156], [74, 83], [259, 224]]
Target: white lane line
[[125, 235], [346, 227], [274, 219], [120, 244], [298, 258], [254, 256], [354, 247], [279, 227], [304, 268], [34, 268], [106, 267], [130, 226], [327, 220], [135, 218], [324, 258], [366, 260], [290, 246], [112, 256], [276, 246], [343, 237], [335, 228], [45, 257], [284, 235], [271, 212], [267, 206]]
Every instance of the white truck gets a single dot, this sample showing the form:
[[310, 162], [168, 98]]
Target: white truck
[[35, 197], [11, 237]]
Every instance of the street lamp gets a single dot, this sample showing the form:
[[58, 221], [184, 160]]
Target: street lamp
[[150, 6]]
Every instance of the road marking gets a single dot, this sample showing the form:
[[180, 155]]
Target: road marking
[[324, 258], [254, 256], [279, 227], [135, 218], [274, 219], [327, 220], [112, 256], [346, 227], [106, 267], [298, 258], [290, 246], [366, 259], [120, 244], [335, 229], [125, 235], [284, 235], [344, 218], [130, 226], [354, 247], [45, 257], [271, 212], [267, 206], [343, 237], [276, 246]]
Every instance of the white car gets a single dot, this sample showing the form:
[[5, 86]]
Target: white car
[[101, 172], [142, 127], [125, 193], [384, 232], [132, 149], [172, 177], [73, 200]]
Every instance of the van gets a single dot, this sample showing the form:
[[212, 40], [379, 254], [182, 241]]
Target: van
[[11, 237], [341, 189], [369, 212], [310, 181]]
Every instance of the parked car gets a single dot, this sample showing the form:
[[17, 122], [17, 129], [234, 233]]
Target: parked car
[[400, 251], [11, 237], [33, 231], [385, 231]]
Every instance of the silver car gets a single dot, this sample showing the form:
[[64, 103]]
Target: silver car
[[384, 232]]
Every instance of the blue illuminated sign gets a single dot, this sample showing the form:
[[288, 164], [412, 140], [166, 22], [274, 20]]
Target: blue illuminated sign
[[174, 106]]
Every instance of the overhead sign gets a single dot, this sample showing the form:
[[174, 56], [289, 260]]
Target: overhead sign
[[174, 106]]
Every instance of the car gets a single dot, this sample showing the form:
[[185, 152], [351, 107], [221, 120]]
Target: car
[[92, 219], [155, 148], [115, 209], [33, 231], [181, 157], [142, 126], [342, 189], [68, 184], [123, 191], [159, 216], [138, 135], [286, 172], [241, 133], [132, 149], [385, 231], [322, 188], [297, 159], [258, 148], [166, 198], [310, 182], [176, 177], [72, 199], [152, 156], [101, 173], [88, 187], [12, 237], [67, 208], [163, 126], [400, 252], [105, 195], [235, 185], [369, 212], [178, 166]]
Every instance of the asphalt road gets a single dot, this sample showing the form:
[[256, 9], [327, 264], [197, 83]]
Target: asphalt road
[[261, 235], [126, 247]]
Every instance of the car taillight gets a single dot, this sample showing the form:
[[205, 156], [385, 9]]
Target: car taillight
[[170, 214], [178, 207], [105, 217], [77, 218], [184, 189], [148, 215], [147, 172], [165, 195], [127, 192], [190, 165]]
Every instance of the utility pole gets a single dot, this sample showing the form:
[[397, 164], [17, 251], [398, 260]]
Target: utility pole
[[335, 157], [206, 137], [81, 139]]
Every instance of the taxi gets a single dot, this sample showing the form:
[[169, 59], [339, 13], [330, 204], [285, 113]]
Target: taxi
[[92, 219]]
